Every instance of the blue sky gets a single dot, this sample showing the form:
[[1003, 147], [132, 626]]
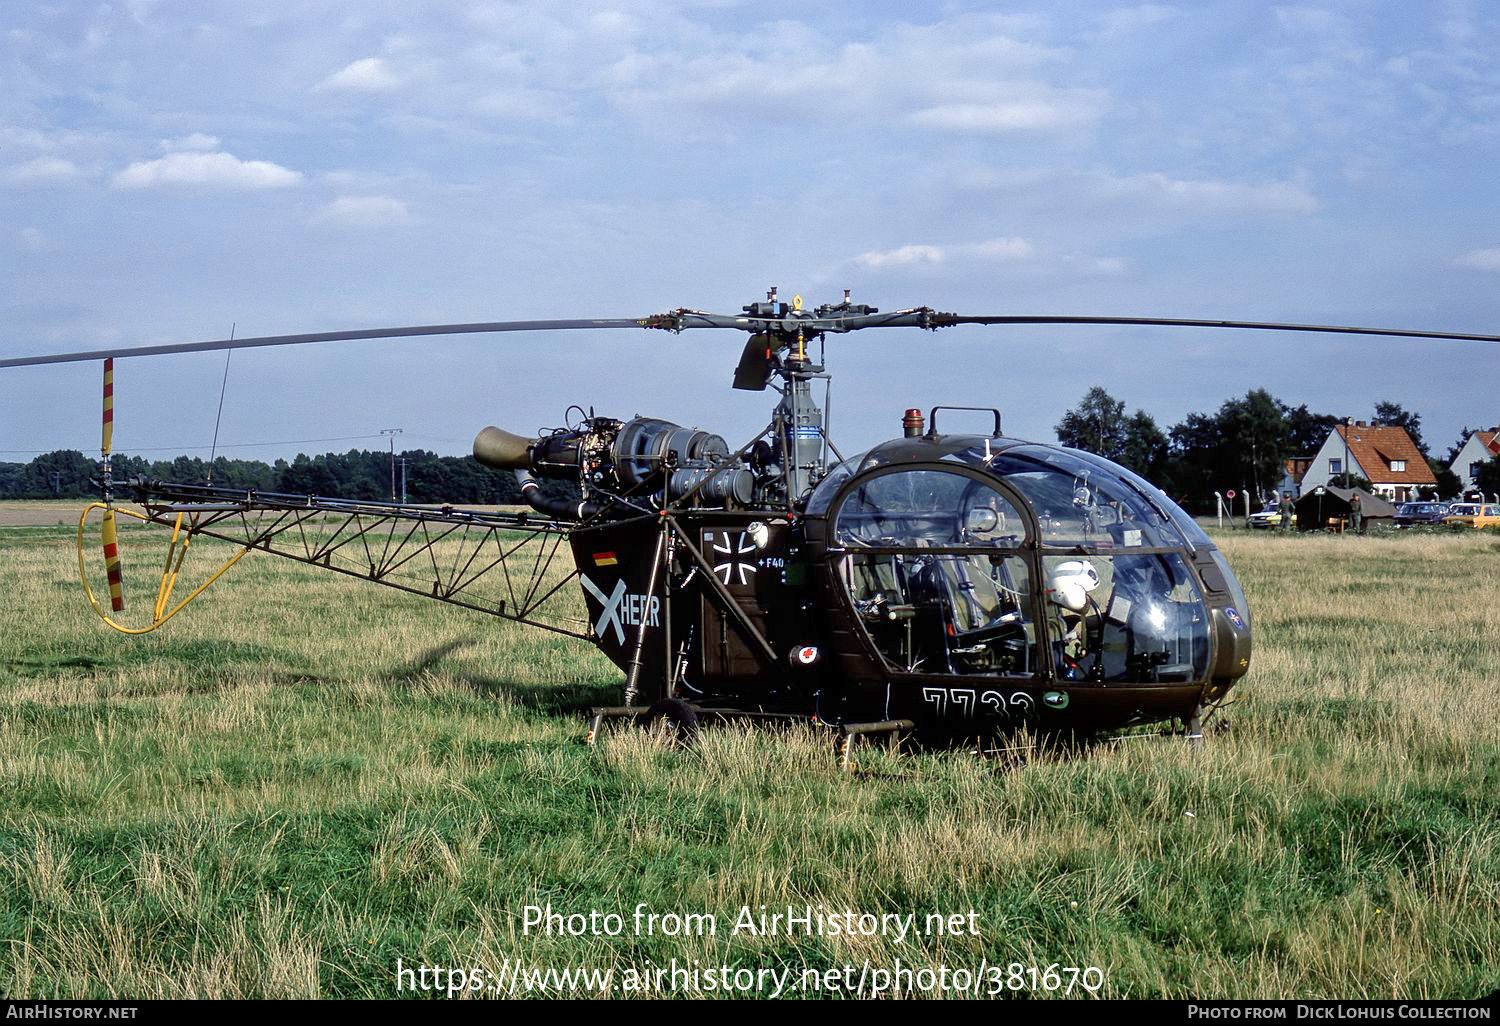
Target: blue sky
[[170, 168]]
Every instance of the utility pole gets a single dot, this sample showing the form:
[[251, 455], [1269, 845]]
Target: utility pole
[[1349, 428], [403, 480], [1255, 466], [392, 433]]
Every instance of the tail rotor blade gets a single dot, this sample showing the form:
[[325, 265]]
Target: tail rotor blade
[[112, 560], [107, 527], [109, 408]]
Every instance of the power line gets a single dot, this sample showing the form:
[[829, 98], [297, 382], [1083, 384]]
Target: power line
[[392, 432]]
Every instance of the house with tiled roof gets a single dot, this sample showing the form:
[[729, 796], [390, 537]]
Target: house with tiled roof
[[1293, 469], [1481, 447], [1382, 454]]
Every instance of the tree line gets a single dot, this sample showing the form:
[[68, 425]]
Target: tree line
[[356, 474], [1243, 445]]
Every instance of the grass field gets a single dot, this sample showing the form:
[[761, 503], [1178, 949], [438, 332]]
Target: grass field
[[305, 778]]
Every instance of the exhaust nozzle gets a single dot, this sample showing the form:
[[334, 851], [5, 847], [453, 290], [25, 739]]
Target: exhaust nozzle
[[502, 450]]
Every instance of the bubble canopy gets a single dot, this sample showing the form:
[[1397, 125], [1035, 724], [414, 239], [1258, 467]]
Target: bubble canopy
[[1079, 500], [996, 558]]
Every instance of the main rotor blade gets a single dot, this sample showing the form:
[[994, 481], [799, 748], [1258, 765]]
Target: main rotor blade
[[943, 320], [328, 336], [833, 320], [839, 320]]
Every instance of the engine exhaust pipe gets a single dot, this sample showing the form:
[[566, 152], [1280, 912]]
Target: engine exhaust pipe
[[498, 448], [560, 509], [495, 447]]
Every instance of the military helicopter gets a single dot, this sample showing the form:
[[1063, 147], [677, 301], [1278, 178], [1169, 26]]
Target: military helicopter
[[946, 585]]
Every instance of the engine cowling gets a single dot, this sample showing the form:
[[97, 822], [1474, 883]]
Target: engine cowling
[[641, 456]]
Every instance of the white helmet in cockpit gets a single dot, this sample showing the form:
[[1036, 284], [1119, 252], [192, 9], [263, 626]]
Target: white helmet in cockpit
[[1070, 583]]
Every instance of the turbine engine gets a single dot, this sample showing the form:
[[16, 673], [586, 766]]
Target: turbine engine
[[613, 460]]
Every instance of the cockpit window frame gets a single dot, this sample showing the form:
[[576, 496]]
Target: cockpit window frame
[[996, 484], [1029, 551]]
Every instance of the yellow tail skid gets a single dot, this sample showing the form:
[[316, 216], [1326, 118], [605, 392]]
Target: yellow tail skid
[[176, 553]]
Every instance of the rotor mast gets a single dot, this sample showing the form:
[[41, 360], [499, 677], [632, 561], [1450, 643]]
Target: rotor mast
[[778, 349], [798, 423]]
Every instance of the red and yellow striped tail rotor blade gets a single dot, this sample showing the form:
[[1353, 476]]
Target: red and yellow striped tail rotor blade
[[109, 407], [107, 527], [112, 561]]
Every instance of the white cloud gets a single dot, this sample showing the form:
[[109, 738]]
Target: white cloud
[[1208, 195], [968, 73], [1015, 255], [195, 141], [904, 256], [1481, 260], [1004, 117], [32, 240], [997, 249], [218, 170], [1003, 249], [366, 75], [524, 104], [1152, 197], [1126, 20], [1309, 19], [365, 212], [41, 171]]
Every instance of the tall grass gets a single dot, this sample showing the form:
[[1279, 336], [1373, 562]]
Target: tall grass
[[306, 778]]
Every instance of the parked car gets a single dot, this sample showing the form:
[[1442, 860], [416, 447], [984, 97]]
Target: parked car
[[1473, 514], [1269, 517], [1415, 514]]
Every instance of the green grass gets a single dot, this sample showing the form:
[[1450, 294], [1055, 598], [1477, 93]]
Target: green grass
[[304, 778]]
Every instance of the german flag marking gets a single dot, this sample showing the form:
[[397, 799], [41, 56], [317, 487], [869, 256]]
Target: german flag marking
[[605, 559]]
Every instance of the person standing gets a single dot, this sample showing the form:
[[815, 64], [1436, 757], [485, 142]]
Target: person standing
[[1356, 514], [1285, 509]]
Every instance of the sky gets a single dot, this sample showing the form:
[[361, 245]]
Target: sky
[[172, 170]]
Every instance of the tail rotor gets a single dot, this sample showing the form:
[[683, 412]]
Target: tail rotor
[[108, 529], [183, 527]]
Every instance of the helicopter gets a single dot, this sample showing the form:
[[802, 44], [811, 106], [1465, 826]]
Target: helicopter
[[944, 586]]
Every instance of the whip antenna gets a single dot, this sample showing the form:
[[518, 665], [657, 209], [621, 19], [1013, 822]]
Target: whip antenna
[[220, 416]]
